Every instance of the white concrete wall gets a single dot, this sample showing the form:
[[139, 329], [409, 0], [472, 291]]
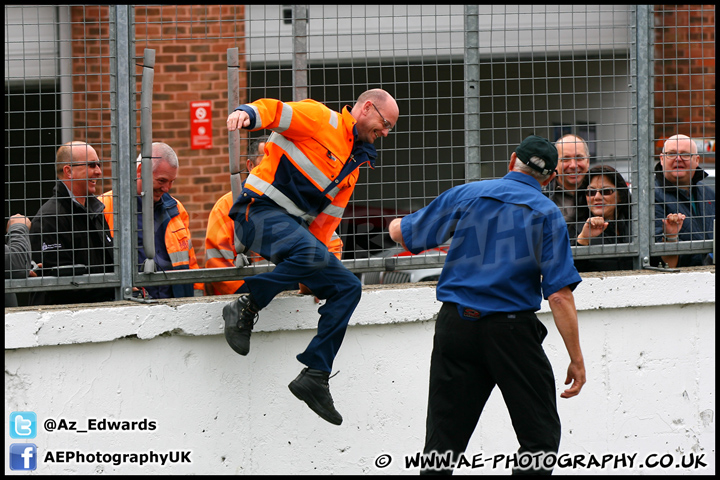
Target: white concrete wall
[[648, 341]]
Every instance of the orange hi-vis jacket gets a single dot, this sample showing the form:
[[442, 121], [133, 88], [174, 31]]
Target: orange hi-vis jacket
[[220, 245], [177, 236], [311, 162]]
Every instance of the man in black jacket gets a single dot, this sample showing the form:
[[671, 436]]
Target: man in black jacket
[[684, 205], [69, 234]]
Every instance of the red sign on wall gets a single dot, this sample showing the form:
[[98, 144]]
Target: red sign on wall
[[200, 125]]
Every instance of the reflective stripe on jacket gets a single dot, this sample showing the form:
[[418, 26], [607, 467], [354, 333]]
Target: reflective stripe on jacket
[[220, 245], [177, 236], [311, 161]]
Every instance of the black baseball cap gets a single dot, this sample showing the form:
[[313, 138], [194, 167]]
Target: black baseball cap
[[534, 146]]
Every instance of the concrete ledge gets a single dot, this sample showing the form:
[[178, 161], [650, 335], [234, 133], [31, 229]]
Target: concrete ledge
[[648, 342], [90, 323]]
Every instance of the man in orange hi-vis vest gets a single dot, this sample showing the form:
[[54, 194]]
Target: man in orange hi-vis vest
[[289, 208], [220, 235], [173, 245]]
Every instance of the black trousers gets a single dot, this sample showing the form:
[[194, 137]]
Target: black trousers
[[469, 358]]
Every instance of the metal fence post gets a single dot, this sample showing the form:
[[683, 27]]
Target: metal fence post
[[300, 52], [233, 66], [122, 139], [146, 96], [472, 94], [233, 75], [644, 190]]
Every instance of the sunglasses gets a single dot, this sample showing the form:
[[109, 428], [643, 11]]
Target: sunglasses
[[386, 124], [605, 192], [87, 164]]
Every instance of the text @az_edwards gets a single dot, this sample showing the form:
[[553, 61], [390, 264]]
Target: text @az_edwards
[[97, 425]]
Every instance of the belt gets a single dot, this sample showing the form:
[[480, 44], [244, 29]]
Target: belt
[[470, 313]]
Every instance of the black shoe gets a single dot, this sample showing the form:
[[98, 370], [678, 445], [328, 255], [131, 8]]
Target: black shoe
[[311, 386], [240, 315]]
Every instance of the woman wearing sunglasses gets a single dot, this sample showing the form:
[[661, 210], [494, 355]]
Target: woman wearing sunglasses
[[604, 217]]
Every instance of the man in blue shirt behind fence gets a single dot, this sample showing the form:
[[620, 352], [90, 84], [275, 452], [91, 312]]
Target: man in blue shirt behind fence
[[510, 248]]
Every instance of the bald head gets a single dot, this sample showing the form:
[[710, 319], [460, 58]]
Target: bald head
[[71, 152], [679, 160], [573, 161], [78, 166], [680, 139], [376, 112]]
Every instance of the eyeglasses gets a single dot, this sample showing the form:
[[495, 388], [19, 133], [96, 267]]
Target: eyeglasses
[[88, 164], [385, 122], [685, 156], [605, 192]]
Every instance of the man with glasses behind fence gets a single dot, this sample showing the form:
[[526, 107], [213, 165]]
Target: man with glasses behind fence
[[289, 208], [684, 206], [69, 234], [573, 164]]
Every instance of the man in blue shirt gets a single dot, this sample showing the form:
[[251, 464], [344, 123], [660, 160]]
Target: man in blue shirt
[[510, 248]]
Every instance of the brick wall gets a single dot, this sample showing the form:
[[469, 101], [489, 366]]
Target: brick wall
[[91, 80], [190, 44], [684, 71]]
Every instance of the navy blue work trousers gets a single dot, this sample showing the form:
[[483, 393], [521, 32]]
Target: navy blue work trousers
[[469, 358], [299, 257]]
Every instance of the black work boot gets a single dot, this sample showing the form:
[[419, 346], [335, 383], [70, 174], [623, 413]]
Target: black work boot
[[311, 386], [240, 315]]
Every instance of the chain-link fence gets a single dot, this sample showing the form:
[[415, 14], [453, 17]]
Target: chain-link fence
[[470, 81]]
